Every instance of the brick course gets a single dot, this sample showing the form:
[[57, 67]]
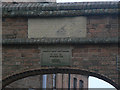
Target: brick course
[[97, 26], [104, 26], [14, 28]]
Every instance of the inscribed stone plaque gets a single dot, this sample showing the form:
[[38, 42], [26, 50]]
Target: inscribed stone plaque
[[63, 27], [55, 56]]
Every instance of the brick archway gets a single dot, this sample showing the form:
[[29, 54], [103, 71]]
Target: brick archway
[[12, 78], [92, 49]]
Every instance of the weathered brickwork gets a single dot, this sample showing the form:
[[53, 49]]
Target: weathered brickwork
[[16, 57], [14, 28], [102, 26], [95, 58], [99, 58], [27, 82], [97, 26], [83, 78]]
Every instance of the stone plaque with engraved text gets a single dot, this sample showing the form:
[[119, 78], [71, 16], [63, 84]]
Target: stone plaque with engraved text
[[56, 56]]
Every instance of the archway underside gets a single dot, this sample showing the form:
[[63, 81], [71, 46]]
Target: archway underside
[[18, 76]]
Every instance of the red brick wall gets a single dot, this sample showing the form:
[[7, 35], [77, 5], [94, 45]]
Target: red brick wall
[[62, 80], [102, 26], [83, 78], [99, 58], [95, 58], [97, 26], [15, 58], [28, 82], [14, 27]]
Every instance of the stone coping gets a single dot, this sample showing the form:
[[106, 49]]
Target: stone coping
[[62, 41], [35, 9]]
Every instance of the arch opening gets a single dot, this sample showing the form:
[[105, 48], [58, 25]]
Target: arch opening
[[99, 83], [22, 75]]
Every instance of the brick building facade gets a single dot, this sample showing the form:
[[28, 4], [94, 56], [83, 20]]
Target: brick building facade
[[91, 50], [52, 81]]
